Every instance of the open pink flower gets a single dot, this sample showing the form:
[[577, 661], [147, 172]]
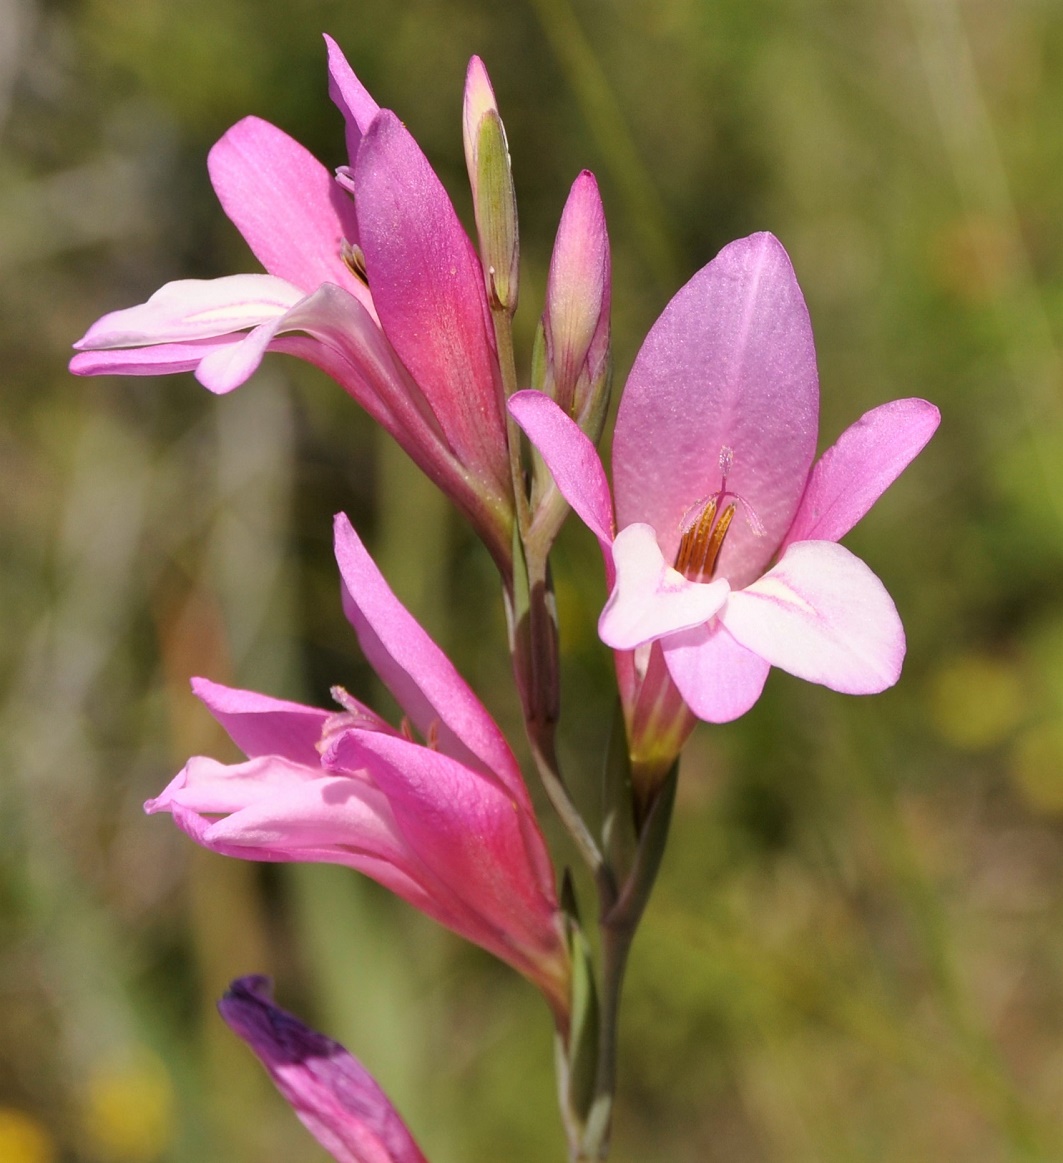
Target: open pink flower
[[370, 277], [723, 558], [446, 824], [336, 1098]]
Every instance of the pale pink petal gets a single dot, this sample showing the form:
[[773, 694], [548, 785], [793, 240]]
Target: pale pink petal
[[428, 288], [572, 460], [730, 365], [860, 466], [577, 289], [650, 599], [423, 680], [351, 97], [227, 368], [260, 725], [718, 679], [822, 615], [331, 1092], [287, 206], [192, 309], [161, 359]]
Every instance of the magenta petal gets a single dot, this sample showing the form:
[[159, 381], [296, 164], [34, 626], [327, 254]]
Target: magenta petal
[[260, 725], [860, 466], [423, 680], [351, 97], [572, 460], [718, 679], [729, 365], [650, 599], [286, 205], [822, 615], [428, 288], [331, 1092]]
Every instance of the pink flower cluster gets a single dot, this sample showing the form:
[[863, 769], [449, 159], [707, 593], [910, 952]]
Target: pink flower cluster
[[720, 533]]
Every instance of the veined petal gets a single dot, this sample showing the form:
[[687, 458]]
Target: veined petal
[[860, 466], [260, 725], [287, 206], [428, 288], [728, 372], [650, 598], [331, 1092], [423, 680], [822, 615], [351, 97], [573, 462], [718, 679], [192, 309]]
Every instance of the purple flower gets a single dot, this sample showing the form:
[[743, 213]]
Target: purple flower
[[371, 277], [723, 559], [335, 1097], [446, 824]]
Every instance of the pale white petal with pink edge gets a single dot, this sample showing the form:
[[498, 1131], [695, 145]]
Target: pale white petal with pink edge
[[822, 615], [650, 598]]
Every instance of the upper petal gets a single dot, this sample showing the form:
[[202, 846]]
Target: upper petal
[[332, 1093], [288, 207], [423, 680], [351, 97], [650, 599], [428, 288], [729, 365], [822, 615], [573, 462], [860, 466]]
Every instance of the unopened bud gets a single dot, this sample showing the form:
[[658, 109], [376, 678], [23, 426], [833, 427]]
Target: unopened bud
[[493, 196]]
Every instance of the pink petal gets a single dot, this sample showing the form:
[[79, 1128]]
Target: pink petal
[[484, 864], [718, 679], [861, 465], [428, 288], [286, 205], [730, 365], [572, 460], [227, 368], [822, 615], [577, 290], [192, 309], [352, 99], [650, 598], [332, 1093], [161, 359], [420, 676], [260, 725]]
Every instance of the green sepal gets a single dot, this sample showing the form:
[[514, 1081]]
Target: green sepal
[[653, 837], [496, 213], [619, 838], [578, 1060]]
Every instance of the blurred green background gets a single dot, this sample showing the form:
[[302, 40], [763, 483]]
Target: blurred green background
[[856, 949]]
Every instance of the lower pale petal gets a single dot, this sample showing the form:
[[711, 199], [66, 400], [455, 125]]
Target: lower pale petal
[[718, 678], [650, 598], [822, 615], [162, 359]]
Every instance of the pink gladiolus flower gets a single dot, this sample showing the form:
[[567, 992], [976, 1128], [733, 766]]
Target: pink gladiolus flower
[[723, 559], [370, 277], [335, 1097], [447, 824]]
